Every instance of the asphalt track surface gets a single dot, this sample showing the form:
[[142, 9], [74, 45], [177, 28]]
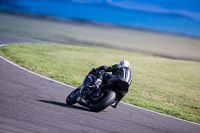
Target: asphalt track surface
[[30, 103]]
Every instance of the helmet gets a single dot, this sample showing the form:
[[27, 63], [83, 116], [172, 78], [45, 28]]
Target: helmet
[[125, 63]]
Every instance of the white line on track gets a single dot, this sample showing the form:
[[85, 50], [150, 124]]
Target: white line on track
[[33, 72], [1, 45], [74, 88]]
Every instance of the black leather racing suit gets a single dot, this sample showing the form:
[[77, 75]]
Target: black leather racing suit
[[118, 72]]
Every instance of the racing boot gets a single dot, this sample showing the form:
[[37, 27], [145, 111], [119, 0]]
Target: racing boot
[[119, 98], [114, 105]]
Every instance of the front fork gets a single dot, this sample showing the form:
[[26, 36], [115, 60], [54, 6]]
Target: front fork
[[81, 97]]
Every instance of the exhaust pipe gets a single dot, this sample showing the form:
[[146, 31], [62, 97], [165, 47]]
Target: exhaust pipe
[[82, 101]]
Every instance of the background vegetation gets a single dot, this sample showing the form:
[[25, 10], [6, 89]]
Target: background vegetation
[[100, 35]]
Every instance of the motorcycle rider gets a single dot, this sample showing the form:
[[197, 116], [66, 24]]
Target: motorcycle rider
[[120, 71]]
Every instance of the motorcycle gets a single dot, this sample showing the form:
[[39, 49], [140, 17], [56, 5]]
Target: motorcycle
[[96, 100]]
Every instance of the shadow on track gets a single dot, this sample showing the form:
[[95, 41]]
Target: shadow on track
[[64, 105]]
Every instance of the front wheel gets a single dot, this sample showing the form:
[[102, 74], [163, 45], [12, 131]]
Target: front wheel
[[104, 103], [71, 99]]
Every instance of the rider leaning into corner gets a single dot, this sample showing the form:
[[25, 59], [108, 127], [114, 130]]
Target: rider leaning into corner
[[120, 71]]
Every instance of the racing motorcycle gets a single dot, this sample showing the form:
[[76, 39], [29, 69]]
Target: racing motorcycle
[[96, 100]]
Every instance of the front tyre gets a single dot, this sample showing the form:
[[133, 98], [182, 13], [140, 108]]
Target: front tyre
[[104, 103], [71, 99]]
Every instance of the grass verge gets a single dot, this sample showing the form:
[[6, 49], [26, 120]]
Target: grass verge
[[168, 86]]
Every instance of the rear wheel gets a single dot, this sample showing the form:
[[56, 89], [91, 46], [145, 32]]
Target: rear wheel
[[104, 103], [71, 99]]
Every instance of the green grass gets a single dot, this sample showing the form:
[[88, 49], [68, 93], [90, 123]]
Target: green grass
[[168, 86]]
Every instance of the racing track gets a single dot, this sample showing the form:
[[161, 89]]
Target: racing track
[[31, 103]]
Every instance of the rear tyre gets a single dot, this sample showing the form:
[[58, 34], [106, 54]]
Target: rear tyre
[[104, 103], [71, 99]]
